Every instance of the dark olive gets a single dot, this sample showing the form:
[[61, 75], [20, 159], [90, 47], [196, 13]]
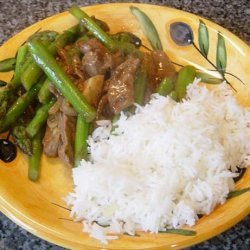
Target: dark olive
[[2, 83], [8, 150], [181, 33]]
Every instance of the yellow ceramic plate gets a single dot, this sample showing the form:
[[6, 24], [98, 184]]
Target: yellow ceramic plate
[[30, 204]]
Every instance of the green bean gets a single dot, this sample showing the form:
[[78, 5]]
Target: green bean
[[185, 76], [7, 64], [165, 87], [44, 94], [148, 28], [39, 118], [33, 72], [61, 80], [20, 58], [140, 85], [35, 158], [19, 106], [99, 33], [81, 136]]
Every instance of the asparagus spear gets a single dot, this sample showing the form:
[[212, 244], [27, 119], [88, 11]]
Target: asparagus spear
[[82, 129], [61, 80], [7, 64], [44, 94], [21, 138], [99, 33], [21, 56], [33, 72], [40, 118], [19, 106], [35, 158]]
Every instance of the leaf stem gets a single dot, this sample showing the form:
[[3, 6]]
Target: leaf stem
[[211, 63]]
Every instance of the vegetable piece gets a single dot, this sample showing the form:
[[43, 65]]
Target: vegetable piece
[[237, 192], [45, 35], [7, 64], [19, 106], [61, 80], [99, 33], [20, 58], [92, 26], [32, 73], [40, 118], [203, 38], [184, 232], [185, 76], [206, 78], [82, 131], [35, 158], [21, 138], [165, 87], [140, 85], [93, 89], [128, 37], [44, 94], [148, 28], [221, 55]]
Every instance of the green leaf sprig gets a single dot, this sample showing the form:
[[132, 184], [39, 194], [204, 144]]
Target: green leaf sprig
[[148, 28], [203, 38], [184, 232], [238, 192]]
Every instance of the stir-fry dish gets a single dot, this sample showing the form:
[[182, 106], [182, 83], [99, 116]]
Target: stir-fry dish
[[120, 113], [64, 83]]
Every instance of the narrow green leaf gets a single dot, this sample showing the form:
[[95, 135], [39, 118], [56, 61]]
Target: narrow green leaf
[[148, 28], [206, 78], [221, 55], [203, 37], [237, 192], [183, 232]]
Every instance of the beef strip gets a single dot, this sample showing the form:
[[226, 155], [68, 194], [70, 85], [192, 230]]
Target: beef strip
[[97, 60], [121, 85], [67, 134], [51, 138]]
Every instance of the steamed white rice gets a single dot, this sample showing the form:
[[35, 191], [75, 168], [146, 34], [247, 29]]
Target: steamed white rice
[[162, 166]]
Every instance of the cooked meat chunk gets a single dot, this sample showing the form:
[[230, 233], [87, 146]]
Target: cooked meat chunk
[[103, 109], [67, 109], [97, 59], [121, 85], [51, 138], [67, 134]]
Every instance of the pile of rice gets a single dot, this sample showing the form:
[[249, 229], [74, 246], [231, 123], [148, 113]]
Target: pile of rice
[[163, 166]]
